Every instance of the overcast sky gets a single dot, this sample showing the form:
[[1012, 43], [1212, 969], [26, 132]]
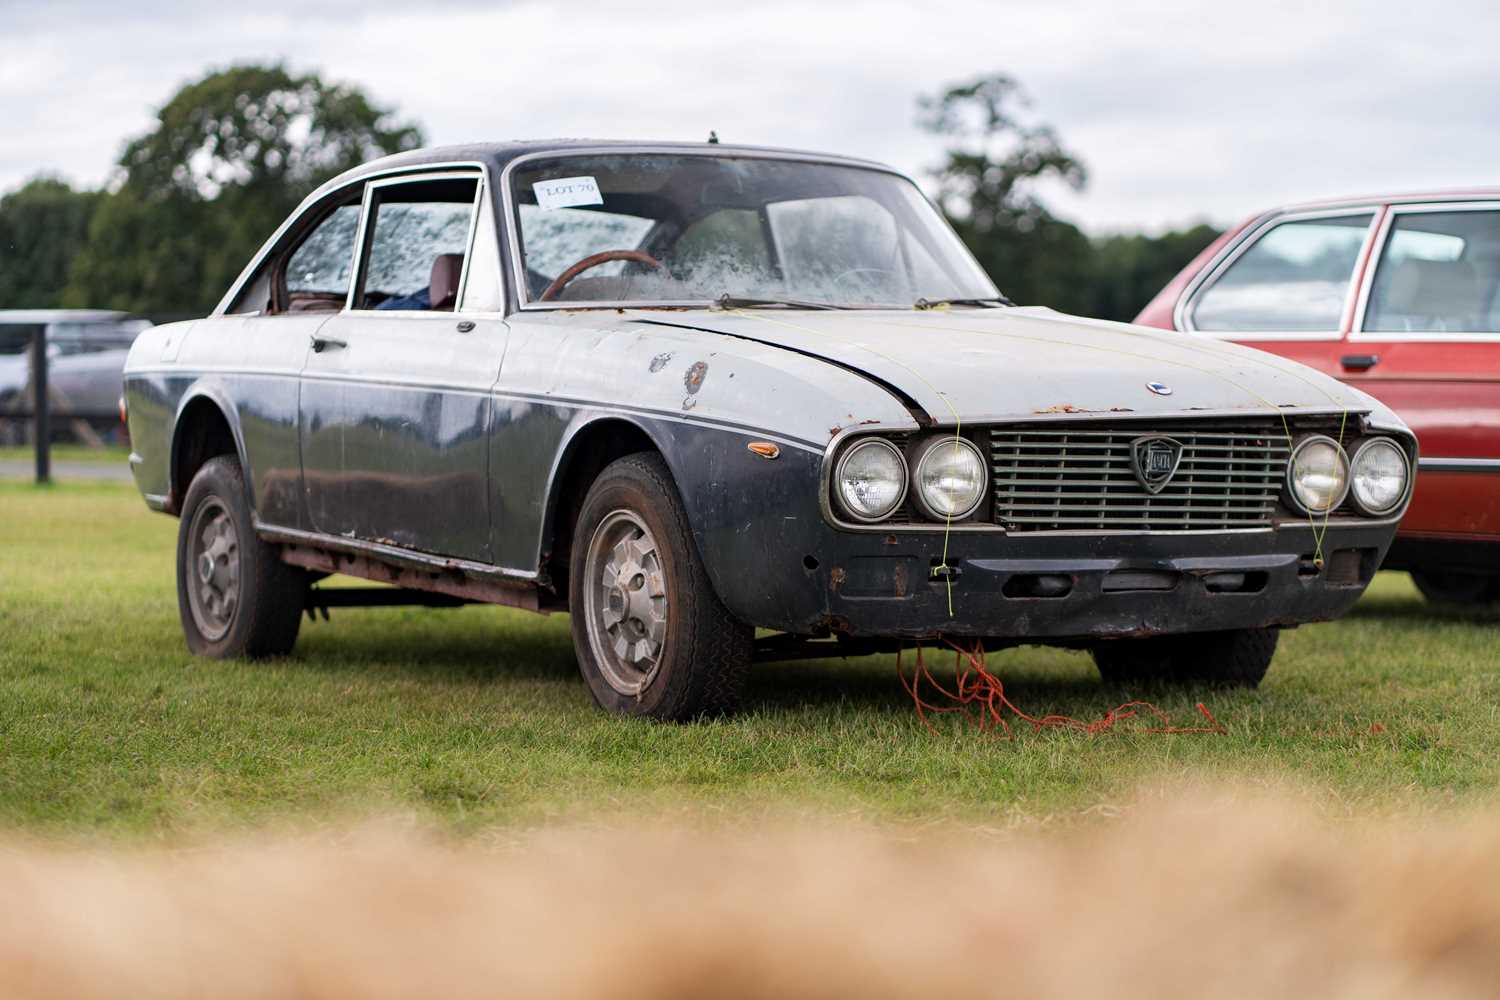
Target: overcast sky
[[1182, 111]]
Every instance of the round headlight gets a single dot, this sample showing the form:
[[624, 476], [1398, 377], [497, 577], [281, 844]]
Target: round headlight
[[1318, 475], [1378, 476], [871, 479], [950, 478]]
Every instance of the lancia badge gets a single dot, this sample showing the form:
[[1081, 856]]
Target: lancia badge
[[1160, 388], [1154, 459]]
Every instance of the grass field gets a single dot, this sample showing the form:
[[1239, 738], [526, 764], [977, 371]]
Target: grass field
[[474, 719]]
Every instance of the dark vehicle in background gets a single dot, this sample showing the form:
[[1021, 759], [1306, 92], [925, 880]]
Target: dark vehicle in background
[[686, 392], [1398, 296], [86, 351]]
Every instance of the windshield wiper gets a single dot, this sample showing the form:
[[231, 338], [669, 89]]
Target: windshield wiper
[[994, 301], [727, 301]]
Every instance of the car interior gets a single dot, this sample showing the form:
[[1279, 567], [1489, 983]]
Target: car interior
[[1440, 273]]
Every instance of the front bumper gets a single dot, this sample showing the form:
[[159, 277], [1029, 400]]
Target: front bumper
[[1064, 588], [777, 563]]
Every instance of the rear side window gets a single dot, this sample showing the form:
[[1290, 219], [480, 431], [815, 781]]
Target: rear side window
[[1438, 273], [1294, 278], [324, 261]]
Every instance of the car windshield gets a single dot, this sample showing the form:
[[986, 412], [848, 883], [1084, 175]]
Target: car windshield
[[645, 229]]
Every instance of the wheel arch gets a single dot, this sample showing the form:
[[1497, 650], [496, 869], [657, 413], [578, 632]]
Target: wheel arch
[[205, 425], [590, 446]]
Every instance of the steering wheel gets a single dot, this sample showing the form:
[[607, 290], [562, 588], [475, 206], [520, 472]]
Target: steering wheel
[[594, 260]]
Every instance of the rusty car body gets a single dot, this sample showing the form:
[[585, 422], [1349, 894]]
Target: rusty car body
[[691, 391]]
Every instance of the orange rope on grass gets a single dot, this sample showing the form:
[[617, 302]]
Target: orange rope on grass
[[980, 696]]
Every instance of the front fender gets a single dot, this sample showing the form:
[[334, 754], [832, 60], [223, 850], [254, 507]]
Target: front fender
[[756, 521]]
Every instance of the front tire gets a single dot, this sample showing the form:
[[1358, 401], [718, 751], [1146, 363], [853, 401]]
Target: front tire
[[1460, 590], [235, 595], [1237, 658], [651, 635]]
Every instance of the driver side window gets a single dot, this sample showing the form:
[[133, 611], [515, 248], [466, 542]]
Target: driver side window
[[417, 240]]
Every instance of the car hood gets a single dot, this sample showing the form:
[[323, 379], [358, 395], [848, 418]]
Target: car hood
[[998, 364]]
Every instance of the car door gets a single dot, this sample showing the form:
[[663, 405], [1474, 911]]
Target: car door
[[1289, 288], [395, 406], [1426, 342], [254, 352]]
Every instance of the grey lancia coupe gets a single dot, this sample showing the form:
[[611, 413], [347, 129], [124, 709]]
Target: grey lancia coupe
[[688, 392]]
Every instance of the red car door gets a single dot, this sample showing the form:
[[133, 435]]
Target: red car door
[[1426, 342]]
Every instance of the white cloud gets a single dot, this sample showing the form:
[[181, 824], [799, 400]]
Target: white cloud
[[1181, 110]]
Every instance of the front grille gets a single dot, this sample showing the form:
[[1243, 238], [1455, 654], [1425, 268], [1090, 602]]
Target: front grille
[[1080, 477]]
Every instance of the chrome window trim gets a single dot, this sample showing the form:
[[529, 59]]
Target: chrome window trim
[[323, 192], [1182, 312], [513, 220], [1357, 331], [361, 244]]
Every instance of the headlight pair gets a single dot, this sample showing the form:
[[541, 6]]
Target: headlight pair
[[1320, 475], [949, 477]]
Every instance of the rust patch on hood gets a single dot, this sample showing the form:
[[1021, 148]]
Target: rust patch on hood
[[693, 380]]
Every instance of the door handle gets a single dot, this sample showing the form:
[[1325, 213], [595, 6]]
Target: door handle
[[1359, 362], [321, 344], [465, 325]]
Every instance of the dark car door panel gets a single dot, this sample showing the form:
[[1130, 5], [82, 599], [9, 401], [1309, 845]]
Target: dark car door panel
[[394, 426]]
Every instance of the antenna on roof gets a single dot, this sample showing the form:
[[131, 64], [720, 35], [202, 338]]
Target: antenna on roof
[[713, 137]]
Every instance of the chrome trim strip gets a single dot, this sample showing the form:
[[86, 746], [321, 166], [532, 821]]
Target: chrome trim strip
[[393, 554], [1491, 465], [1204, 279], [761, 433], [513, 220], [1357, 332]]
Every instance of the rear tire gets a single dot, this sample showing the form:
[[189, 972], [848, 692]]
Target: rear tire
[[652, 637], [235, 595], [1460, 590], [1238, 658]]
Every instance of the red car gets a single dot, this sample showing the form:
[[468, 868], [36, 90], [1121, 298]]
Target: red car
[[1400, 297]]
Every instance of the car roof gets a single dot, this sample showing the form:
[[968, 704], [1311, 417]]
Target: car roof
[[1403, 197], [497, 155], [41, 317]]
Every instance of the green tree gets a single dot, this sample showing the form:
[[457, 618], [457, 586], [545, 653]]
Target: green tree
[[230, 156], [987, 187], [1129, 269], [43, 224]]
